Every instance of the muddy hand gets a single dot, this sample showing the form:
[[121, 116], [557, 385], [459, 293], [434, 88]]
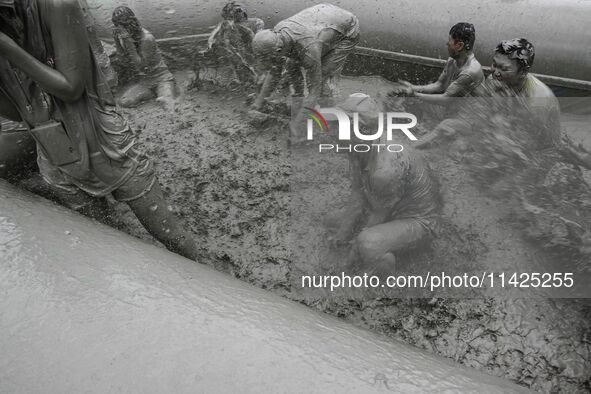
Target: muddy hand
[[256, 117]]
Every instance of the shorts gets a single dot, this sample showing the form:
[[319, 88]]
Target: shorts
[[110, 164], [137, 184], [334, 61]]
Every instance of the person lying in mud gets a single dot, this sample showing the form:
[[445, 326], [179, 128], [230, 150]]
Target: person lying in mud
[[229, 57], [50, 81], [394, 199], [138, 50], [318, 40]]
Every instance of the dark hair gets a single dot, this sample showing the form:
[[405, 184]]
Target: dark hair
[[125, 17], [519, 49], [465, 33], [234, 11]]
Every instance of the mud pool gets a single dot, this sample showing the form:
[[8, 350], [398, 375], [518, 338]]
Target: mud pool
[[235, 186]]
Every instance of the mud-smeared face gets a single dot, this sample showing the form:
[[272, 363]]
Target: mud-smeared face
[[454, 47], [506, 70]]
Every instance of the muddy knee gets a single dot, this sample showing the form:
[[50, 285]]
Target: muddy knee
[[128, 101], [368, 245], [373, 254]]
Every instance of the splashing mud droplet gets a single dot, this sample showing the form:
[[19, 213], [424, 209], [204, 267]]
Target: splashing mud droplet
[[154, 208]]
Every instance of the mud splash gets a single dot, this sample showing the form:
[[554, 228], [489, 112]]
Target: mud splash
[[231, 183]]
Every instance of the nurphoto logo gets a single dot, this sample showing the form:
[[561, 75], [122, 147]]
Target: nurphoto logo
[[358, 141]]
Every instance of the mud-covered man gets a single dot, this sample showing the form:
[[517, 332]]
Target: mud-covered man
[[394, 199], [237, 13], [547, 180], [462, 73], [511, 77], [50, 81], [137, 49], [462, 76], [317, 40]]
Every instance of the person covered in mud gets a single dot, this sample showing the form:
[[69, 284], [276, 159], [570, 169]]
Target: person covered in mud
[[462, 73], [395, 200], [462, 76], [236, 13], [50, 80], [317, 40], [137, 49], [522, 152], [230, 46], [511, 77]]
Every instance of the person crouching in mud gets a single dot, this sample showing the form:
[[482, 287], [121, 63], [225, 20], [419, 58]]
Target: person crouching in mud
[[50, 80], [137, 48], [394, 199], [318, 39]]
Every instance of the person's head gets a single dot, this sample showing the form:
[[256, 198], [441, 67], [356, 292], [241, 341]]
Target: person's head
[[123, 17], [267, 44], [512, 61], [461, 39], [233, 11], [368, 111]]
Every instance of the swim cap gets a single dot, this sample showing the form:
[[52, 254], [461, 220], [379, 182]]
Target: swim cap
[[362, 104], [266, 42]]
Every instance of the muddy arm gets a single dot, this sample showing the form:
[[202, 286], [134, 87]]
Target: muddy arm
[[72, 61], [438, 99], [354, 208], [148, 56], [312, 62], [432, 88], [269, 85]]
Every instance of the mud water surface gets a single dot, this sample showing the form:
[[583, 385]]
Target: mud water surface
[[235, 186]]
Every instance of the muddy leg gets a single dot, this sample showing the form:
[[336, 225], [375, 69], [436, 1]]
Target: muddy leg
[[375, 247], [152, 211], [166, 92], [295, 77]]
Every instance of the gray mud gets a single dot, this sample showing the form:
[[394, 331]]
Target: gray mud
[[231, 183]]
